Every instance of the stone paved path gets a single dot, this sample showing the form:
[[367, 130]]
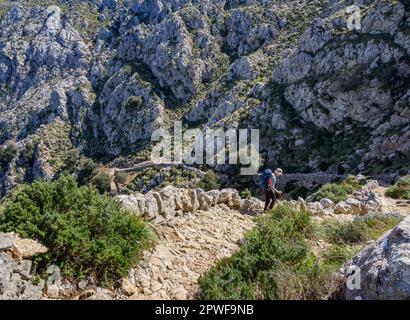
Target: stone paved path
[[187, 248]]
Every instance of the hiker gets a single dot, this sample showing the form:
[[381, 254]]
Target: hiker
[[268, 182]]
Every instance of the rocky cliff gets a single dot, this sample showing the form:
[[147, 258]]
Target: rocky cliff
[[95, 78]]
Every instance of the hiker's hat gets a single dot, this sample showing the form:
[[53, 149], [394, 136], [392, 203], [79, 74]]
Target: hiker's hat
[[279, 171]]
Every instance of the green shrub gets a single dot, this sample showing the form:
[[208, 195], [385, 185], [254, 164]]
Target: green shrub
[[102, 182], [210, 181], [71, 162], [7, 153], [246, 193], [87, 234], [337, 255], [134, 102], [345, 232], [337, 192], [400, 190], [88, 169], [275, 263], [377, 225], [121, 177], [360, 230], [28, 153]]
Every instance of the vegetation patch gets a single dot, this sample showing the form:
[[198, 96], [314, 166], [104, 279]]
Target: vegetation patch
[[278, 260], [400, 190], [134, 103], [337, 191], [275, 263], [87, 234], [210, 181], [7, 153], [102, 182], [121, 177], [359, 230]]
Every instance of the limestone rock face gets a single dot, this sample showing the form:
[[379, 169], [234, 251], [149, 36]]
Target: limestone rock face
[[348, 84], [384, 267]]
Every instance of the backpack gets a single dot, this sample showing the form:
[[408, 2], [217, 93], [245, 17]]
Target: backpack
[[263, 178]]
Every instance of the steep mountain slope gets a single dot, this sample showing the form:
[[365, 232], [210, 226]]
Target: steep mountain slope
[[353, 87], [95, 78]]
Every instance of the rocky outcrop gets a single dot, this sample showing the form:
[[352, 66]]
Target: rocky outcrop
[[173, 202], [383, 268], [364, 201], [16, 280]]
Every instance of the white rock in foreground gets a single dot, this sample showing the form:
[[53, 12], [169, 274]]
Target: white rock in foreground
[[384, 268]]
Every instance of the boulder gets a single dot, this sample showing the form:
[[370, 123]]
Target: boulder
[[168, 201], [383, 266], [215, 196], [152, 201], [53, 291], [252, 206], [327, 203], [315, 208], [205, 200], [372, 184], [101, 295], [127, 287], [194, 200], [343, 208], [135, 203], [230, 197], [20, 248], [185, 201], [16, 281], [358, 208]]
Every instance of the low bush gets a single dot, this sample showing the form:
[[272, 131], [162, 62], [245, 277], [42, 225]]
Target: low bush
[[337, 255], [88, 169], [377, 225], [400, 190], [359, 230], [246, 193], [7, 153], [134, 102], [278, 262], [102, 182], [275, 263], [345, 232], [210, 181], [337, 191], [121, 177], [87, 234]]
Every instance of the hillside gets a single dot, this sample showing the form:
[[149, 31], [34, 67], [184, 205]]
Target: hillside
[[200, 238], [98, 86], [86, 212]]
